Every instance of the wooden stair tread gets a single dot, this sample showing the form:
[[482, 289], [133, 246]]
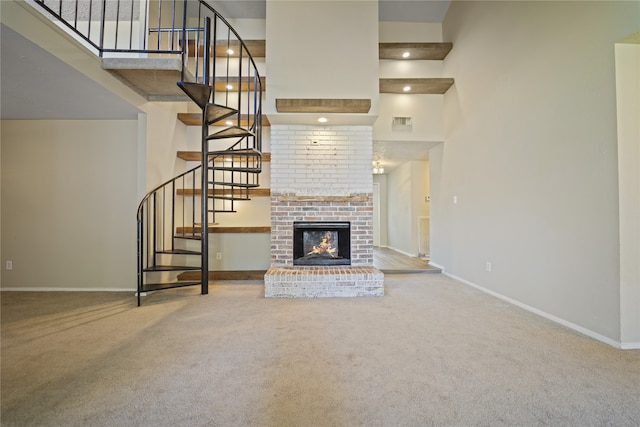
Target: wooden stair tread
[[226, 275], [195, 156], [198, 92], [170, 268], [179, 252], [216, 113], [219, 230], [230, 132], [148, 287]]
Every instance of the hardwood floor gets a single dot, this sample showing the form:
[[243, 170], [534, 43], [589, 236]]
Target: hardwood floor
[[393, 262]]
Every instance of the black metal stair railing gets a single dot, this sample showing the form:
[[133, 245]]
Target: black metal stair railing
[[221, 77], [226, 87], [223, 81], [124, 26]]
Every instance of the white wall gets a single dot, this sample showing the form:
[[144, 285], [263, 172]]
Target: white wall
[[410, 32], [628, 107], [381, 180], [322, 49], [165, 136], [425, 110], [409, 183], [321, 160], [426, 113], [530, 153], [68, 204], [420, 205]]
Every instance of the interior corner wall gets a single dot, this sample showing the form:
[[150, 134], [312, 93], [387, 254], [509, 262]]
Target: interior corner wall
[[68, 204], [628, 107], [165, 136], [410, 32], [439, 240], [383, 205], [530, 154], [420, 203]]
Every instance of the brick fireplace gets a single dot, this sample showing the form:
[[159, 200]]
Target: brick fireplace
[[322, 175]]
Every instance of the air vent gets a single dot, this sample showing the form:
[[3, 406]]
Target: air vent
[[401, 123]]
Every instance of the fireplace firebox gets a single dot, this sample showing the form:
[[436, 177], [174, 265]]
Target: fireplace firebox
[[321, 243]]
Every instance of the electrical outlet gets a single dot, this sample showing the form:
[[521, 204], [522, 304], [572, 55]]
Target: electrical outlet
[[218, 255], [9, 265], [488, 266]]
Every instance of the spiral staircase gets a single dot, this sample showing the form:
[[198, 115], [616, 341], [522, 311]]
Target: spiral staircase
[[188, 41]]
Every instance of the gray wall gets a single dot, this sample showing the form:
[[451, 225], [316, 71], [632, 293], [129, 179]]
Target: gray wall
[[530, 154], [68, 204]]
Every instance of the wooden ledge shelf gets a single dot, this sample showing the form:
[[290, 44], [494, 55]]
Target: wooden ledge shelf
[[225, 275], [215, 229], [257, 48], [253, 192], [429, 86], [308, 105], [417, 51], [195, 119], [195, 156], [324, 199]]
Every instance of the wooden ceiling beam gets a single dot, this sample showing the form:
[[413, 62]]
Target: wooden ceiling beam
[[308, 105]]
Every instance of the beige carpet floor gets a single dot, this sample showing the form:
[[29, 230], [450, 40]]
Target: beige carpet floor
[[431, 352]]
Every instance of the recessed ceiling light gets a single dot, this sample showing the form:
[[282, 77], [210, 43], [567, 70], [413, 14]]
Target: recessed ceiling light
[[406, 54], [406, 88], [323, 120], [230, 51], [229, 87]]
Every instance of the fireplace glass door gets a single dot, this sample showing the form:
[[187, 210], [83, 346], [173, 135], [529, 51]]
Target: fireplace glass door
[[321, 243]]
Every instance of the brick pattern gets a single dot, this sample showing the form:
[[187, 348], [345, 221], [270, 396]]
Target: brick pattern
[[321, 160], [285, 209], [322, 282]]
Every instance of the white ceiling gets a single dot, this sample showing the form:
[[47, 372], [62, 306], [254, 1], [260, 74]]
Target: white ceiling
[[388, 10], [34, 84]]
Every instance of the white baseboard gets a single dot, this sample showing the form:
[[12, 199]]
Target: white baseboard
[[551, 317], [630, 345], [441, 267], [44, 289]]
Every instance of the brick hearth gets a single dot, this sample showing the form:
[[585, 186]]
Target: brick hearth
[[312, 282]]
